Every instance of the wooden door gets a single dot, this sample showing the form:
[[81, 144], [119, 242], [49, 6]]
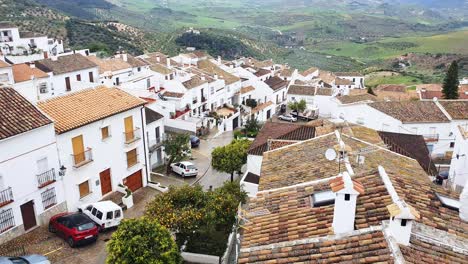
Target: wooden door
[[129, 134], [67, 83], [106, 184], [29, 217], [134, 181], [78, 149], [91, 77]]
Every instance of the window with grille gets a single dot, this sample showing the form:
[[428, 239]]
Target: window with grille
[[49, 198], [7, 220]]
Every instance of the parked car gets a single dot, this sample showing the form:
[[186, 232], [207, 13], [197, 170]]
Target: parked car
[[289, 118], [105, 214], [184, 168], [194, 141], [75, 228], [29, 259]]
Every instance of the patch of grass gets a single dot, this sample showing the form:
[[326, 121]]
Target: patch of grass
[[375, 80]]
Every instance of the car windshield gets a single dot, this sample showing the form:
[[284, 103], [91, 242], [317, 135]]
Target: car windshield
[[191, 167], [84, 227]]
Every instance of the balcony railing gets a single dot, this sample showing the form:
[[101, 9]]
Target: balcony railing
[[46, 178], [6, 196], [194, 101], [7, 220], [81, 159], [431, 137], [203, 99], [132, 136]]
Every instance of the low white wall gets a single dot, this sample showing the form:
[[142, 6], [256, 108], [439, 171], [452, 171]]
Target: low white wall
[[181, 124]]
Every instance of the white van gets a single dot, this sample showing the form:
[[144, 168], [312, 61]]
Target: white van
[[105, 214]]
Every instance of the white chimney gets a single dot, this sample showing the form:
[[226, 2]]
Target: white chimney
[[463, 211], [346, 192], [124, 57], [401, 221], [158, 59], [216, 76], [168, 63], [32, 65], [219, 59], [53, 58]]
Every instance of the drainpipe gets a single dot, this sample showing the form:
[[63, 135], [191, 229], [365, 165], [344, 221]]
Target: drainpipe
[[144, 144]]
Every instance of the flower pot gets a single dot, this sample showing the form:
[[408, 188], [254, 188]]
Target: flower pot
[[128, 201]]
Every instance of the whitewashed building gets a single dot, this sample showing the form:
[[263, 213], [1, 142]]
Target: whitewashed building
[[100, 142], [31, 187], [23, 46], [356, 79], [69, 73], [31, 82], [459, 164]]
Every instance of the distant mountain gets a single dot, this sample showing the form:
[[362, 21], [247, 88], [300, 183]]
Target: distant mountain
[[79, 8]]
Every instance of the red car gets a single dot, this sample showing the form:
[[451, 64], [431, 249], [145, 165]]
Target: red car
[[75, 228]]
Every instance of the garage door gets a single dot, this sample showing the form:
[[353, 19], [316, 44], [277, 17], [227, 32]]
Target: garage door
[[134, 181]]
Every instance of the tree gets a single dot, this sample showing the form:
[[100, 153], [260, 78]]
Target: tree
[[252, 126], [298, 106], [230, 158], [176, 148], [142, 241], [451, 82], [370, 90]]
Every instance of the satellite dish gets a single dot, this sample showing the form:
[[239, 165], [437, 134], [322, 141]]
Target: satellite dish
[[330, 154]]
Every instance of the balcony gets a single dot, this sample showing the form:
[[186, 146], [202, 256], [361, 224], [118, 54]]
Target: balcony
[[46, 178], [203, 99], [83, 158], [195, 100], [6, 196], [431, 137], [132, 136]]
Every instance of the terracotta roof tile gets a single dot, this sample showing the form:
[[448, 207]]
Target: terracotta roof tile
[[457, 109], [173, 94], [283, 131], [23, 72], [17, 114], [341, 81], [412, 111], [309, 71], [160, 69], [276, 83], [90, 105], [4, 64], [247, 89], [260, 107], [65, 64], [301, 90], [212, 68], [193, 82], [350, 99], [391, 88], [420, 251], [110, 64], [262, 72]]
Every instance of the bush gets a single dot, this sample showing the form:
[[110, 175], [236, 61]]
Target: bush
[[142, 241]]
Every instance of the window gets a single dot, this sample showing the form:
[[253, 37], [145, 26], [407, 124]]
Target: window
[[49, 198], [132, 158], [449, 202], [84, 189], [117, 213], [105, 132], [347, 197], [78, 77], [91, 77], [7, 220], [139, 69], [94, 211], [403, 222], [212, 90], [322, 198], [67, 84], [43, 88], [99, 214], [148, 83], [109, 215], [452, 144], [117, 81]]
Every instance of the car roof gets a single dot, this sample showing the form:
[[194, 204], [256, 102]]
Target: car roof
[[78, 218], [106, 206], [186, 163]]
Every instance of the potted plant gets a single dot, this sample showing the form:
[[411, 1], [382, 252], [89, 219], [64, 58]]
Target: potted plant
[[127, 199]]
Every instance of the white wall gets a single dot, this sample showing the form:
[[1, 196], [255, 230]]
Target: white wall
[[108, 153], [459, 166], [254, 163], [6, 75], [59, 85], [31, 89], [18, 168]]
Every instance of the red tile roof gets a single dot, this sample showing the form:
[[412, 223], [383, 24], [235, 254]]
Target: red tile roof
[[457, 109], [276, 83], [17, 114], [412, 111]]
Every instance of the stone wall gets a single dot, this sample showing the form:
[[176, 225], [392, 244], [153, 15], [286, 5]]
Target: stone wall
[[11, 233], [45, 216]]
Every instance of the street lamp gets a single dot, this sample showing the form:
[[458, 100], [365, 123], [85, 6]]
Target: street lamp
[[62, 171]]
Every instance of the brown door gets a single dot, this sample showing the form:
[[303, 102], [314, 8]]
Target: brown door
[[106, 185], [129, 135], [78, 77], [78, 149], [29, 217], [134, 181], [67, 83], [91, 77]]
